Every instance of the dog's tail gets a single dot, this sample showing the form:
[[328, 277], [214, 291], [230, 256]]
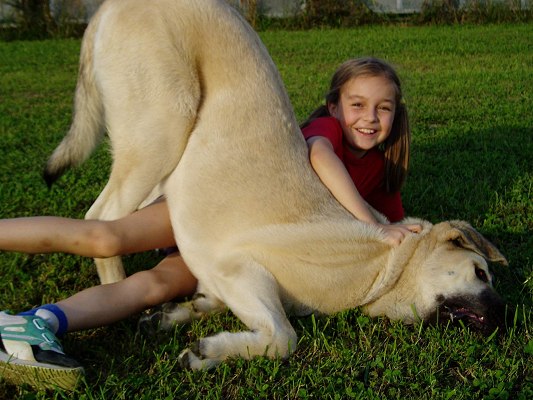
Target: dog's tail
[[87, 128]]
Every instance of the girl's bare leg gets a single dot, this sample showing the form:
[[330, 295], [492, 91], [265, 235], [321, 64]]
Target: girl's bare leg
[[106, 304], [146, 229]]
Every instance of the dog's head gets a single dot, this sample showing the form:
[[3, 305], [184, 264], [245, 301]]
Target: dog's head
[[445, 278], [459, 282]]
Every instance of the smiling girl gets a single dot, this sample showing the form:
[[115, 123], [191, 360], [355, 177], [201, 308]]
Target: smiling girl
[[359, 142]]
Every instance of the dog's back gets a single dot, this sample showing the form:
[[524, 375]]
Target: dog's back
[[187, 88], [245, 166]]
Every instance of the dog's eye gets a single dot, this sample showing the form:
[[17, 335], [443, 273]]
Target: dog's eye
[[482, 275], [458, 243]]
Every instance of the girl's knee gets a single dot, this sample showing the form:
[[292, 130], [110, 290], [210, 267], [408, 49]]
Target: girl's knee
[[105, 240], [155, 290]]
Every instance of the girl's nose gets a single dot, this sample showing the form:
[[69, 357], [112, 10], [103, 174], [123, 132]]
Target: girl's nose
[[371, 115]]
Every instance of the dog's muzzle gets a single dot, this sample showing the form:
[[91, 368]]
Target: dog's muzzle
[[485, 312]]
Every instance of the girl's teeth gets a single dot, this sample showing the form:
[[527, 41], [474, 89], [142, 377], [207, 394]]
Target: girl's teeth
[[367, 131]]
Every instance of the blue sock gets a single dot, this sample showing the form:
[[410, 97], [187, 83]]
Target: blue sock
[[53, 315]]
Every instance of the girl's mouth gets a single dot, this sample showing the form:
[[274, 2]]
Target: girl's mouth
[[365, 131]]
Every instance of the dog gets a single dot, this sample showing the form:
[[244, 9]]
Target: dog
[[193, 104]]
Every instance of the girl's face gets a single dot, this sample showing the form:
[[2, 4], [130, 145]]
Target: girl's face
[[365, 110]]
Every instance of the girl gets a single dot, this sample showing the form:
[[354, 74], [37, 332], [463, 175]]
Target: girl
[[359, 147], [359, 142]]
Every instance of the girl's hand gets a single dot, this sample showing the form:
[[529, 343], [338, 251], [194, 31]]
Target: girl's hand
[[394, 234]]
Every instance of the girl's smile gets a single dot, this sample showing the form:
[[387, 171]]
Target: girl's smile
[[365, 110]]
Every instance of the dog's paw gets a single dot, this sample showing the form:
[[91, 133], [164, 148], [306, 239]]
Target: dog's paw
[[165, 317], [185, 359], [149, 323], [191, 358]]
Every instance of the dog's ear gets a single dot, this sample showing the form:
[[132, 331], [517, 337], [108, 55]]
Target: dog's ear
[[463, 235]]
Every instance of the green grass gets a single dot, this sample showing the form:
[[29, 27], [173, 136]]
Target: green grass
[[468, 89]]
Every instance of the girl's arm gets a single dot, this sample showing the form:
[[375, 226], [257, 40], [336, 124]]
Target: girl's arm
[[334, 175]]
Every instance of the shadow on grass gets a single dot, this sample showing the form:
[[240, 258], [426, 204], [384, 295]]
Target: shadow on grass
[[485, 177]]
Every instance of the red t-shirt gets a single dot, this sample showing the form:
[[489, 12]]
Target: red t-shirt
[[366, 172]]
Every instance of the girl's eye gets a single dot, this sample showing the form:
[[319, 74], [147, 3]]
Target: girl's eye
[[357, 105], [385, 108]]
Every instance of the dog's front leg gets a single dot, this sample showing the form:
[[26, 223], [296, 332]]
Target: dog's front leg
[[252, 294], [168, 315]]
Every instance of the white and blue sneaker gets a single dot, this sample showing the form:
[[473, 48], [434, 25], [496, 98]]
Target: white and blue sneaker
[[31, 354]]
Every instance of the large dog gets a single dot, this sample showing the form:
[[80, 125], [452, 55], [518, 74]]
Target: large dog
[[191, 99]]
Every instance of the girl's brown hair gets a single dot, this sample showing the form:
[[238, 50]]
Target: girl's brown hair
[[396, 147]]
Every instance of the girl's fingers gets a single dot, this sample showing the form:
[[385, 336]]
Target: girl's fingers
[[415, 228], [396, 233]]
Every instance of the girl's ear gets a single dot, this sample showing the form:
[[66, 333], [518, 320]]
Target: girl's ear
[[332, 109]]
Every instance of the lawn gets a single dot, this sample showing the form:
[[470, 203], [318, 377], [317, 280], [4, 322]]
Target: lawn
[[469, 92]]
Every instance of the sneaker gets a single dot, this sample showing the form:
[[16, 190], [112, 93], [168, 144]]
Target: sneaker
[[31, 354]]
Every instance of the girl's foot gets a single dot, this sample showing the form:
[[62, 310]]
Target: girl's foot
[[31, 354]]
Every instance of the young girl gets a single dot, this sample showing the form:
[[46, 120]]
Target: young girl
[[359, 142], [359, 147]]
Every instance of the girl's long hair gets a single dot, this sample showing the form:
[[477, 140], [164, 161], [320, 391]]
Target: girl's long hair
[[396, 147]]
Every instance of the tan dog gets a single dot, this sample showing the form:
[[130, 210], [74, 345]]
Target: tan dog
[[191, 98]]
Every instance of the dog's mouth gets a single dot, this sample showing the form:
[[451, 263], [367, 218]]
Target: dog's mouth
[[484, 312], [454, 314]]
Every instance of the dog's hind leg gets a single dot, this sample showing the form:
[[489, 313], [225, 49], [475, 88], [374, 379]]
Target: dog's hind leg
[[144, 153], [148, 136], [253, 297], [149, 115]]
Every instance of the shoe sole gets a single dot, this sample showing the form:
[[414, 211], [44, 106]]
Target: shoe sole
[[39, 375]]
